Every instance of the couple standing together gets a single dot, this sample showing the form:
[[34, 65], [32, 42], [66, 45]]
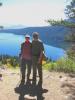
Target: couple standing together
[[31, 56]]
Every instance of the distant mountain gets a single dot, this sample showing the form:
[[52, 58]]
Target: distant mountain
[[14, 26], [51, 35]]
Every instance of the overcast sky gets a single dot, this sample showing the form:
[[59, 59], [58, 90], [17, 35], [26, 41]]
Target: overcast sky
[[31, 12]]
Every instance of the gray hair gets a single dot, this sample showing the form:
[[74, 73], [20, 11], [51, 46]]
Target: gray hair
[[35, 35]]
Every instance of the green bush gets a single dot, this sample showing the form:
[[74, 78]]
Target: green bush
[[71, 52], [9, 60], [66, 65], [0, 63], [13, 62], [50, 66], [4, 61], [63, 65]]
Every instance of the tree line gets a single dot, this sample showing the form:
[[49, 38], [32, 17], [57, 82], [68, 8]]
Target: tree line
[[12, 61]]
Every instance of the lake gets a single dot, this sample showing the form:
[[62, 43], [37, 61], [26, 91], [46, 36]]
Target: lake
[[10, 45]]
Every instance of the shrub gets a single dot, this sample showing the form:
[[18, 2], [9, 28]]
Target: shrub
[[63, 65]]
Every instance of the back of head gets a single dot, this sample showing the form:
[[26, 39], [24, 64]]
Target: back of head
[[35, 35]]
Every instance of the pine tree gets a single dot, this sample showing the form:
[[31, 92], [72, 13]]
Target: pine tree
[[0, 4], [70, 10], [70, 13]]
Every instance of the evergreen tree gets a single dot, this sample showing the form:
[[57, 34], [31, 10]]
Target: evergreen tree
[[0, 4], [70, 10], [70, 13]]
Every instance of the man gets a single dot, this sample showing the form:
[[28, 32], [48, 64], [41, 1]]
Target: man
[[37, 52], [26, 58]]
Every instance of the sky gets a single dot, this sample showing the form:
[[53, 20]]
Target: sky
[[31, 12]]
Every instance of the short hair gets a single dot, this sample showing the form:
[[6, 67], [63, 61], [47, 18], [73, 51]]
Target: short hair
[[35, 35]]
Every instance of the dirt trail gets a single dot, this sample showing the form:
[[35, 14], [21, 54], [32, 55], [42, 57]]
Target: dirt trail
[[51, 86]]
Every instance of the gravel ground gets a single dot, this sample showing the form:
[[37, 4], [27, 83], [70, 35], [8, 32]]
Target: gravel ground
[[51, 89]]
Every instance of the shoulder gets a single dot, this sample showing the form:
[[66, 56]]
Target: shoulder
[[22, 44], [30, 42], [40, 41]]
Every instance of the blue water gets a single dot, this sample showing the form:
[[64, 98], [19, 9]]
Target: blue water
[[10, 44]]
